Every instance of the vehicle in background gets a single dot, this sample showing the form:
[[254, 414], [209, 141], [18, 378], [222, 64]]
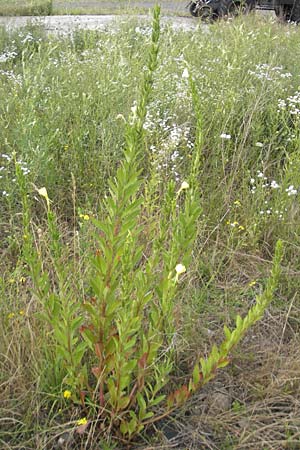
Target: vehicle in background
[[209, 10]]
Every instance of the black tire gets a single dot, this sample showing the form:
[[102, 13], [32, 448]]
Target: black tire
[[208, 14], [234, 8], [194, 9], [199, 9]]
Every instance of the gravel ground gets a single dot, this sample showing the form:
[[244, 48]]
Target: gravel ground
[[67, 24]]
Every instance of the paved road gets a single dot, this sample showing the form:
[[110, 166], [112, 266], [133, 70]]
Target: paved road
[[167, 6]]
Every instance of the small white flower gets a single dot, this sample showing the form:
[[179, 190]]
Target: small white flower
[[259, 144], [274, 185], [291, 190], [185, 73], [225, 136]]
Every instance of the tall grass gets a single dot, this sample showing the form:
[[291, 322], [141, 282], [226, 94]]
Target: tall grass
[[26, 8], [228, 95]]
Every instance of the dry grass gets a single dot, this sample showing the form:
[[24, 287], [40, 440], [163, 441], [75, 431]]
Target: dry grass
[[254, 404]]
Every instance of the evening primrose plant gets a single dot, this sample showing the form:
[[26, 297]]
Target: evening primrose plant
[[122, 333]]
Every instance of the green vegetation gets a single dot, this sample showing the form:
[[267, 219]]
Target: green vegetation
[[25, 7], [149, 186]]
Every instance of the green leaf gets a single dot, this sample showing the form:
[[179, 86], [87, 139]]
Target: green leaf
[[61, 351], [124, 427], [125, 381], [79, 352], [223, 363], [227, 332], [91, 310], [196, 374], [148, 415], [112, 392], [113, 305], [214, 355], [123, 402], [132, 426], [75, 323], [61, 337], [130, 366], [130, 343], [157, 400], [239, 322], [89, 338], [141, 402], [203, 364]]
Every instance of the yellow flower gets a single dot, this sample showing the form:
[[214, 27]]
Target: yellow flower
[[184, 186], [67, 394], [11, 315], [82, 421], [180, 268], [22, 312], [22, 280], [66, 147], [43, 193], [252, 283], [241, 228], [84, 216], [237, 203]]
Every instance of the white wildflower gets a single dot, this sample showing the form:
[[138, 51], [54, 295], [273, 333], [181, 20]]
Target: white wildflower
[[225, 136], [185, 73]]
